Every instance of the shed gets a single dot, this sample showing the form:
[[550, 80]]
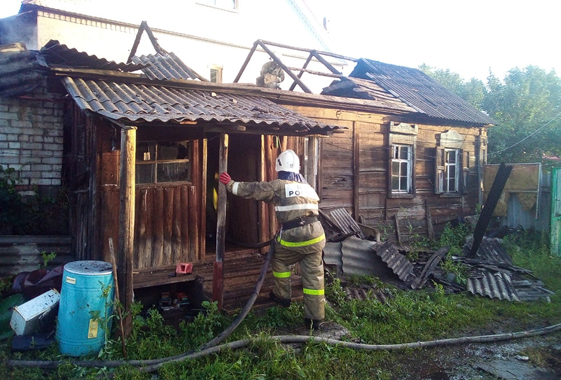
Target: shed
[[141, 158]]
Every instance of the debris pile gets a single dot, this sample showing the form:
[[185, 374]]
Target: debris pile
[[490, 271]]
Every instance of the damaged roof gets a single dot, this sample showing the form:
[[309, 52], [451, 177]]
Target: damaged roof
[[417, 90], [146, 103], [115, 93], [18, 70], [57, 54], [165, 66]]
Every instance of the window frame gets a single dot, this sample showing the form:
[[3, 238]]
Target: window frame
[[219, 73], [402, 134], [400, 161], [156, 162], [451, 141]]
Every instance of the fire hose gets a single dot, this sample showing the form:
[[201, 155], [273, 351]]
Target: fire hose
[[212, 346]]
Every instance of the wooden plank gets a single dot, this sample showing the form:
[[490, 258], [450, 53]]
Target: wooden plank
[[137, 235], [140, 235], [430, 229], [158, 227], [185, 233], [218, 273], [146, 207], [356, 172], [177, 232], [204, 169], [264, 225], [168, 226], [397, 230], [193, 225], [126, 221]]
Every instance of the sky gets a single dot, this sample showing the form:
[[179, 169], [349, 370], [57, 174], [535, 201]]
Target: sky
[[470, 38], [467, 37]]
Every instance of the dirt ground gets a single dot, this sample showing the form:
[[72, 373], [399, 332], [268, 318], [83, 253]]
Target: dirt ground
[[536, 358]]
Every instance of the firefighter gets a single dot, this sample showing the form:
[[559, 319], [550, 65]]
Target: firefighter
[[301, 238]]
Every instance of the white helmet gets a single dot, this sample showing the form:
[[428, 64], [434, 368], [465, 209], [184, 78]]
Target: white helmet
[[288, 161]]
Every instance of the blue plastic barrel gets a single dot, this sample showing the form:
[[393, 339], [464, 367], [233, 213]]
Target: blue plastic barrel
[[86, 302]]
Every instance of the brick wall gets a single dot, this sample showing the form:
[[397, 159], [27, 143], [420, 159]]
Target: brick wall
[[31, 137]]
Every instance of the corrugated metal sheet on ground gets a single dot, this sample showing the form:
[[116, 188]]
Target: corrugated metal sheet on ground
[[135, 103], [332, 254], [359, 258], [366, 292], [490, 251], [398, 263], [492, 284], [506, 286], [420, 91], [344, 221]]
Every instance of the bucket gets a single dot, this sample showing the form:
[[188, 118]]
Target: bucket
[[86, 301]]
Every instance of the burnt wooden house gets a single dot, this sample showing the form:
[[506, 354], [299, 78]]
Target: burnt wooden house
[[141, 159], [406, 174], [411, 157], [145, 141]]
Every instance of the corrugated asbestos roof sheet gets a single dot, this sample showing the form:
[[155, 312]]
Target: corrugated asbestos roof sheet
[[57, 54], [359, 258], [420, 91], [490, 251], [169, 66], [398, 263], [366, 89], [341, 219], [494, 275], [141, 103], [18, 70]]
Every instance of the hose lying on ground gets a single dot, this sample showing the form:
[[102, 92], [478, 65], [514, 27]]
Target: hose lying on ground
[[211, 346], [154, 365], [206, 347]]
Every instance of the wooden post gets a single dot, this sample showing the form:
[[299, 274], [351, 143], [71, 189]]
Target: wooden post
[[430, 228], [126, 221], [312, 163], [397, 230], [218, 272], [356, 171]]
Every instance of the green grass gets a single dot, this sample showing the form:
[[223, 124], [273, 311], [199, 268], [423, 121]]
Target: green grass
[[407, 316]]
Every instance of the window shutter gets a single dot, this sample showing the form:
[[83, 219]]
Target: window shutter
[[390, 156], [464, 177], [439, 171]]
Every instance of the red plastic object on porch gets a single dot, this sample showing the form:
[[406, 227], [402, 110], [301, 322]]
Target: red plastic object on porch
[[184, 268]]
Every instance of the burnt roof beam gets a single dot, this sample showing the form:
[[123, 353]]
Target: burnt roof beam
[[145, 28], [284, 67]]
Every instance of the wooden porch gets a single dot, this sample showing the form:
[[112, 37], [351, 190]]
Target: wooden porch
[[242, 267]]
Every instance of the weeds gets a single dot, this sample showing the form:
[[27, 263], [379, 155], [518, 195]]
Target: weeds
[[407, 316]]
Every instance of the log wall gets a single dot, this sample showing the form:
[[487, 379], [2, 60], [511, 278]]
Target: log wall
[[354, 174]]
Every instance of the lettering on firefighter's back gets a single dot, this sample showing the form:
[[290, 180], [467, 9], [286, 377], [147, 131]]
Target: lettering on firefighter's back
[[300, 190]]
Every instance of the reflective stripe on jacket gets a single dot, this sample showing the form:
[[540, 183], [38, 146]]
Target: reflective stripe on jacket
[[292, 200]]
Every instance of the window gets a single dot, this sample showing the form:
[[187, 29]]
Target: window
[[216, 74], [452, 165], [450, 181], [225, 4], [401, 169], [158, 162]]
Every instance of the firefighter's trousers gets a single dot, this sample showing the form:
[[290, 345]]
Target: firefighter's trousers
[[311, 266]]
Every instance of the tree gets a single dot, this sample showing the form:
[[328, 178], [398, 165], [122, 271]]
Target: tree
[[526, 106]]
